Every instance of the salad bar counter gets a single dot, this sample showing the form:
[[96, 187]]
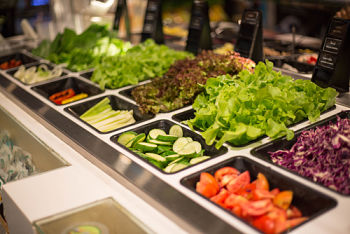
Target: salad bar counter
[[229, 163]]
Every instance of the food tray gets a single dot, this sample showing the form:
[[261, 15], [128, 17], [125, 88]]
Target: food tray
[[301, 67], [87, 75], [18, 56], [79, 86], [116, 103], [262, 151], [165, 125], [12, 71], [189, 114], [310, 202]]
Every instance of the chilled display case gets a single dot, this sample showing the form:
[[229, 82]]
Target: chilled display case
[[97, 167]]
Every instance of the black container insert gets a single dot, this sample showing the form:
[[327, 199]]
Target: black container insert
[[310, 202], [25, 59], [166, 125], [116, 103], [87, 75], [262, 151], [14, 70], [79, 86]]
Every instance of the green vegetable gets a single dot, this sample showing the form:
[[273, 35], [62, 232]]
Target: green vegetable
[[104, 118], [144, 61], [159, 152], [242, 108], [84, 51]]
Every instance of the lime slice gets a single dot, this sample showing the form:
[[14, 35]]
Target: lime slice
[[145, 147], [198, 159], [176, 130], [153, 134], [155, 157], [126, 137]]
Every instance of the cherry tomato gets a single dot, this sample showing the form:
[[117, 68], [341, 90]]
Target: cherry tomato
[[259, 194], [265, 224], [220, 197], [207, 185], [219, 174], [283, 199], [256, 208], [293, 212], [240, 182], [261, 182]]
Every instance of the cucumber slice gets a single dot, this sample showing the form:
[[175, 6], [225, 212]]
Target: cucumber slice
[[126, 137], [168, 168], [198, 159], [139, 138], [189, 139], [178, 166], [176, 160], [163, 148], [160, 142], [166, 153], [167, 138], [179, 144], [172, 157], [153, 134], [190, 149], [155, 157], [176, 130], [145, 147]]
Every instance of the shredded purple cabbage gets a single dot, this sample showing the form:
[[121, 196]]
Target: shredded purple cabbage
[[322, 154]]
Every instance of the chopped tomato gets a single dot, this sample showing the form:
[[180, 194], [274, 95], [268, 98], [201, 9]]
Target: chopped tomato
[[234, 200], [294, 222], [227, 179], [293, 212], [219, 174], [207, 185], [256, 208], [275, 191], [280, 217], [265, 224], [283, 199], [220, 197], [259, 194], [240, 182], [261, 182]]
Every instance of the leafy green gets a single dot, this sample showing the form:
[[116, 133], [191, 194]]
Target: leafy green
[[84, 51], [143, 61], [242, 108]]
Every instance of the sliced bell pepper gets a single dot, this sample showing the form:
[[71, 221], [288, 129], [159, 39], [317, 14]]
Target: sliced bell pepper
[[74, 98], [60, 96]]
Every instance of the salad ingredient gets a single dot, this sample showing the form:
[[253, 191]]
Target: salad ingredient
[[36, 74], [167, 152], [83, 51], [102, 117], [321, 154], [16, 163], [270, 214], [62, 95], [74, 98], [144, 61], [184, 80], [242, 108], [10, 64]]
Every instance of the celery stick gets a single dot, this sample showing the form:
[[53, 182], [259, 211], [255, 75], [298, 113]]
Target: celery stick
[[93, 117], [113, 119], [96, 108]]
